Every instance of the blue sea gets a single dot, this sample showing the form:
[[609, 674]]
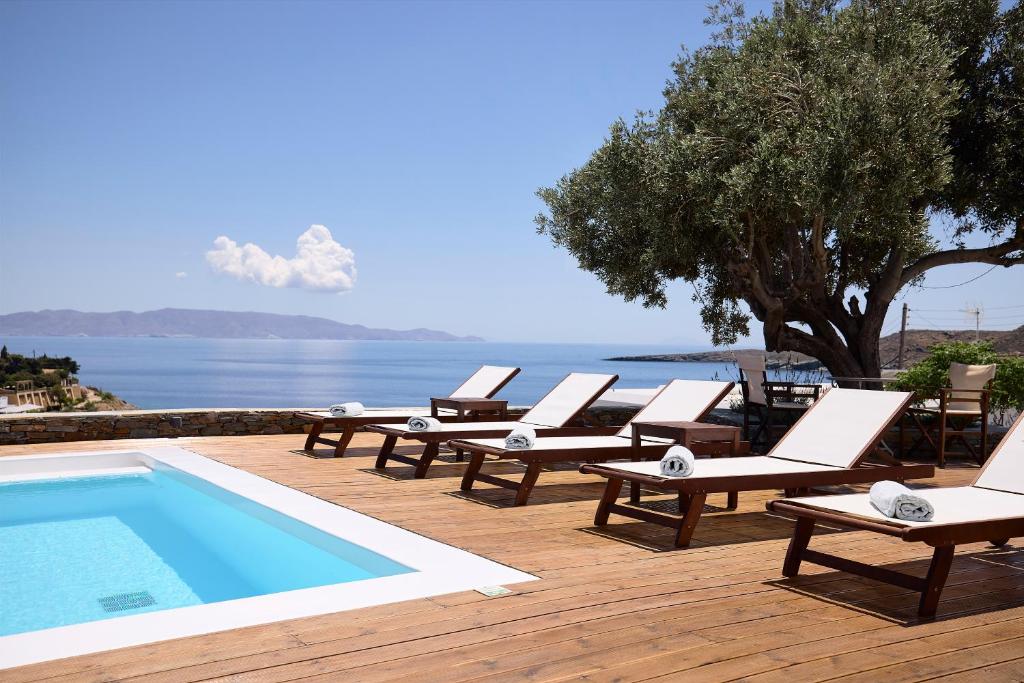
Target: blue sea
[[262, 373]]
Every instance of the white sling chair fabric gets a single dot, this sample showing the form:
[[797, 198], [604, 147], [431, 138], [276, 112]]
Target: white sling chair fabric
[[997, 492], [555, 409], [480, 384], [753, 367], [832, 434], [682, 400]]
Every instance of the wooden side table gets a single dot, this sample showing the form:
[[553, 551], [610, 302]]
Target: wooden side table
[[700, 437], [461, 406], [474, 405]]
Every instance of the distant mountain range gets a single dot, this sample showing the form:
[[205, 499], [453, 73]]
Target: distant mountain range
[[183, 322]]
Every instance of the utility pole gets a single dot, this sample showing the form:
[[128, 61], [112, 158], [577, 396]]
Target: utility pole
[[976, 312], [903, 335]]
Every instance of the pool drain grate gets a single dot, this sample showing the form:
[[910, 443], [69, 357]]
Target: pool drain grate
[[125, 601]]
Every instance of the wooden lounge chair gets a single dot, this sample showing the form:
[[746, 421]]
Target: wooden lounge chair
[[567, 400], [827, 446], [484, 383], [775, 404], [964, 402], [679, 400], [990, 509]]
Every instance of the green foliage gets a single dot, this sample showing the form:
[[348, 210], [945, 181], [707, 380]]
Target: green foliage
[[15, 367], [796, 157], [931, 374], [988, 126], [835, 112]]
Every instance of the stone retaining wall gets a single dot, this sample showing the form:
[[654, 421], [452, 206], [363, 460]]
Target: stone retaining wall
[[144, 424]]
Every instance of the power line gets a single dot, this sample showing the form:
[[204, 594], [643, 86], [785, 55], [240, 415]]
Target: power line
[[965, 282]]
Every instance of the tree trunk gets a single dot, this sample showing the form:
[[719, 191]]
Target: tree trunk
[[853, 355]]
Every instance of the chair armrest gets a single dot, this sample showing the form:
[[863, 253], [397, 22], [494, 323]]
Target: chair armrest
[[946, 391]]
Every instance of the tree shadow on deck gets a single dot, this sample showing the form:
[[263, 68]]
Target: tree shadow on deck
[[988, 580]]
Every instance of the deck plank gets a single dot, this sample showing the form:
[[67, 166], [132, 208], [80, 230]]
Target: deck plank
[[616, 604]]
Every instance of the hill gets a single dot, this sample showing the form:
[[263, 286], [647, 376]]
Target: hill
[[919, 341], [182, 322], [917, 344]]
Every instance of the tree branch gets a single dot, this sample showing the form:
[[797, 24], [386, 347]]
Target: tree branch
[[997, 254]]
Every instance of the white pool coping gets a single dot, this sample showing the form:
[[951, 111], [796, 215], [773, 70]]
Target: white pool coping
[[439, 568]]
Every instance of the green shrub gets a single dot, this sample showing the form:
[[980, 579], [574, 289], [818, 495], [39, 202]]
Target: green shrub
[[931, 374]]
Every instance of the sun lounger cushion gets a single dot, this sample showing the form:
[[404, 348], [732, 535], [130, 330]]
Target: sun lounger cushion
[[728, 467], [467, 427], [953, 505], [553, 443], [382, 414]]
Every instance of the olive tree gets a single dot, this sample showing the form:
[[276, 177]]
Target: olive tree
[[797, 162]]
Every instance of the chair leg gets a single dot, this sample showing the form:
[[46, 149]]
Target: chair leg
[[476, 461], [689, 521], [311, 438], [429, 453], [343, 441], [610, 495], [801, 537], [385, 451], [984, 439], [935, 581], [526, 485], [942, 441]]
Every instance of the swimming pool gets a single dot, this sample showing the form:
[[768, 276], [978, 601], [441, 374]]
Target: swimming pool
[[110, 549]]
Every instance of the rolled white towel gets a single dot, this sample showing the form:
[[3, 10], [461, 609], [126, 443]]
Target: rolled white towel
[[350, 409], [521, 438], [677, 462], [424, 424], [893, 499]]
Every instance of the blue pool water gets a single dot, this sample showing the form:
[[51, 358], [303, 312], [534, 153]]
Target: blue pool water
[[78, 550]]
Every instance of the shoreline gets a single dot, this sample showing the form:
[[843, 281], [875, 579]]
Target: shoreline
[[775, 360]]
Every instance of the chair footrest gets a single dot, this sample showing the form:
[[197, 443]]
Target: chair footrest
[[408, 460], [496, 481], [868, 571]]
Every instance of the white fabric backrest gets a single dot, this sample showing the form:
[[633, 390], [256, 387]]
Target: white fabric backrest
[[971, 377], [753, 365], [570, 396], [841, 426], [1004, 470], [483, 383], [682, 400]]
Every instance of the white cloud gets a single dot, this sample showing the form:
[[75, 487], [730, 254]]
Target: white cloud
[[320, 263], [181, 274]]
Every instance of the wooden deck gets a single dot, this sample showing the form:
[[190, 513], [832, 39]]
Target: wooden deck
[[612, 606]]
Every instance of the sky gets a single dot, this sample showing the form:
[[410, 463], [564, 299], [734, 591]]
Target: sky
[[373, 163]]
